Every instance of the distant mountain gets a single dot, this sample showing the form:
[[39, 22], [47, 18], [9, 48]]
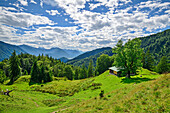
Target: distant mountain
[[73, 53], [158, 44], [87, 56], [7, 49], [54, 52], [63, 59]]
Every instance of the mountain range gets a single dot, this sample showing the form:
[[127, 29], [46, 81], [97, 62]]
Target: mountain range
[[7, 49]]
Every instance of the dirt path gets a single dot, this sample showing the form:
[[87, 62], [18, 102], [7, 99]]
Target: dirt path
[[60, 110], [34, 102]]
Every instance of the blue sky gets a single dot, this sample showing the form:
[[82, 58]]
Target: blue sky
[[80, 24]]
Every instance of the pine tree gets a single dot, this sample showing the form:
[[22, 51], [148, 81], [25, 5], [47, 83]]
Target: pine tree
[[14, 68], [163, 65], [2, 76], [149, 61], [42, 75], [68, 72], [48, 76], [90, 69], [35, 73], [76, 75], [83, 71]]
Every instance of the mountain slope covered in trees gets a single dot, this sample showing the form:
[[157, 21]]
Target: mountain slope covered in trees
[[7, 49], [158, 44], [87, 59], [91, 55]]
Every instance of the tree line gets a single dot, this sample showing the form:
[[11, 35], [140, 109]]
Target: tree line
[[43, 68]]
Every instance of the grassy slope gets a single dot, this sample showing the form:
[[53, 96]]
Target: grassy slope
[[25, 99], [152, 96]]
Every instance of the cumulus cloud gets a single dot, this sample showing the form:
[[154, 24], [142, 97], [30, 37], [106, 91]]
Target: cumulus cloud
[[22, 19], [32, 1], [52, 12], [23, 2]]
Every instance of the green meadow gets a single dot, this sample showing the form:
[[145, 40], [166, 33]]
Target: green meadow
[[145, 92]]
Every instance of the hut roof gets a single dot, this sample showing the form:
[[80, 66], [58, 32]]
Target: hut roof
[[114, 68]]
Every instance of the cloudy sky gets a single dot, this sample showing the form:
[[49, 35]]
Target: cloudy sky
[[80, 24]]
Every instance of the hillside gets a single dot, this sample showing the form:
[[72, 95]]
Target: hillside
[[7, 49], [62, 95], [87, 56], [87, 59], [158, 44], [149, 96]]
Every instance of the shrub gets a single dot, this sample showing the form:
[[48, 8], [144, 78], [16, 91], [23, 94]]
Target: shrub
[[101, 94]]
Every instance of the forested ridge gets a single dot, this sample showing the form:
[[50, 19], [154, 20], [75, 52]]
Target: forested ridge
[[86, 60], [158, 44]]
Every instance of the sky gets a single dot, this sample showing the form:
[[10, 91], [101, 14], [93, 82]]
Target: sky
[[80, 24]]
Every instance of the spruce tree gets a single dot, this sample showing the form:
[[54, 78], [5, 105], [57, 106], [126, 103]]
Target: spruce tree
[[68, 72], [90, 69], [84, 71], [2, 76], [163, 65], [42, 75], [48, 76], [76, 75], [14, 68], [35, 73], [149, 61]]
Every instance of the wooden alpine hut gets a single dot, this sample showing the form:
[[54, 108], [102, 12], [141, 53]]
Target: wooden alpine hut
[[114, 70]]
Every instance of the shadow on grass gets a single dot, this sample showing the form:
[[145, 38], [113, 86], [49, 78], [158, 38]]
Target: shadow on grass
[[135, 80]]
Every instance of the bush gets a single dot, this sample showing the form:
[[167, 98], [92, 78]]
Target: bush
[[101, 94]]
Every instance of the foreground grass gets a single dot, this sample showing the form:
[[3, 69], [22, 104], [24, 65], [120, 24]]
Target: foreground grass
[[78, 95], [152, 96]]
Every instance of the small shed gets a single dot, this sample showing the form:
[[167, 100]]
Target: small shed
[[114, 70]]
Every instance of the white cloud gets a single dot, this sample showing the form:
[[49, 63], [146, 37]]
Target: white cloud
[[52, 12], [22, 19], [23, 2], [32, 1]]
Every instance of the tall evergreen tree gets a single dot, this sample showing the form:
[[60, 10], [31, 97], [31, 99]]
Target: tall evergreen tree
[[163, 65], [35, 73], [42, 75], [76, 75], [148, 61], [84, 71], [90, 69], [128, 57], [14, 68], [2, 76], [68, 72], [47, 75]]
